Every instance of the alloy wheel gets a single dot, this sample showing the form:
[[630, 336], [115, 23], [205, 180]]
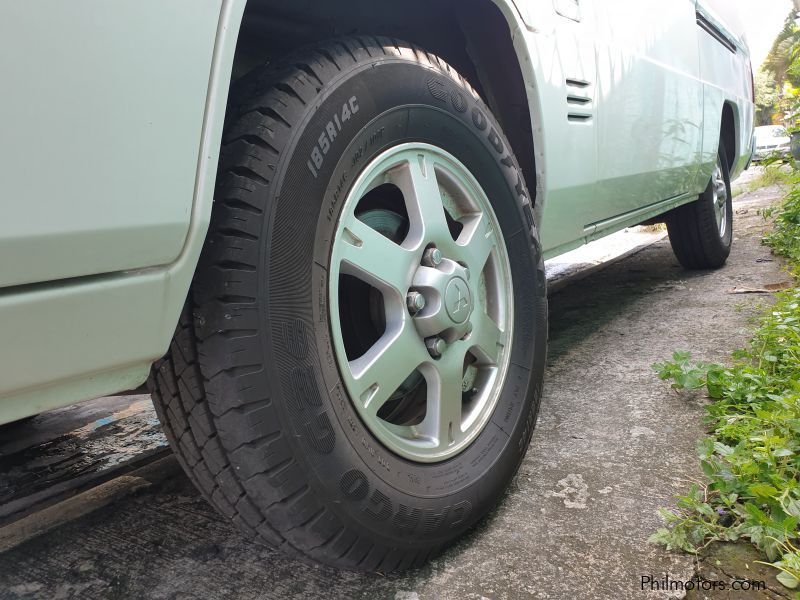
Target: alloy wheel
[[420, 302]]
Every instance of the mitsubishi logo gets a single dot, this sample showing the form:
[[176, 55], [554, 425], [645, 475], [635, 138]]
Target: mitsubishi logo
[[457, 300], [461, 302]]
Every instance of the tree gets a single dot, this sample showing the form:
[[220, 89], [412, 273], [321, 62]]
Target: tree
[[767, 97], [781, 55], [778, 80]]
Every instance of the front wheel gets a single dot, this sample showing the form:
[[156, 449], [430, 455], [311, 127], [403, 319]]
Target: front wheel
[[701, 232], [357, 372]]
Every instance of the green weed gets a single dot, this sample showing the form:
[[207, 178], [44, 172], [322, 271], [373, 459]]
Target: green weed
[[752, 455]]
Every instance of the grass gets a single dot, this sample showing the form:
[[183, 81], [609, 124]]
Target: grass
[[773, 174], [654, 228], [751, 457]]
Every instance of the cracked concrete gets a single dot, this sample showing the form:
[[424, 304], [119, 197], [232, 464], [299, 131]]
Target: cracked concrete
[[613, 445]]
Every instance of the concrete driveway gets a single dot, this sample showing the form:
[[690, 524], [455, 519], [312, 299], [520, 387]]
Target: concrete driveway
[[613, 444]]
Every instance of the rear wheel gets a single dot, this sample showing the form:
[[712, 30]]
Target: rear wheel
[[357, 371], [701, 232]]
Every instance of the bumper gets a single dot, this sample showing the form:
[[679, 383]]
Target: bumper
[[778, 151]]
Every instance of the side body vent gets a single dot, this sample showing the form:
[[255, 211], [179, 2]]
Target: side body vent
[[580, 104]]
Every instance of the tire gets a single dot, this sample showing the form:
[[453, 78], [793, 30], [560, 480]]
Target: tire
[[251, 392], [12, 425], [701, 232]]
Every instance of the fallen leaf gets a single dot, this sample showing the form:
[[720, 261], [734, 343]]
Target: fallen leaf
[[768, 288], [787, 579]]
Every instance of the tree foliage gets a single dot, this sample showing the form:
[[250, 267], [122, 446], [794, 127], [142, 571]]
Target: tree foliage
[[777, 82], [783, 53]]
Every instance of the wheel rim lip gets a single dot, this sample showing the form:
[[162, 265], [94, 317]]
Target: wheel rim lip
[[479, 417], [720, 197]]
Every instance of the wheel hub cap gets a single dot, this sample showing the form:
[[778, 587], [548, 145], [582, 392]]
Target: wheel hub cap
[[448, 300], [458, 300]]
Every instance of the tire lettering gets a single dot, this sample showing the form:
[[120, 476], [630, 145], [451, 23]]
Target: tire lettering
[[331, 129], [406, 519], [438, 88], [409, 520], [329, 133], [295, 338], [458, 102], [461, 511], [433, 520], [304, 388], [354, 485], [380, 507], [375, 454], [316, 156], [320, 433], [323, 142], [496, 142], [478, 119], [305, 405]]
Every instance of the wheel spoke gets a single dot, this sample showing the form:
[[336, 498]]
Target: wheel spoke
[[718, 181], [487, 338], [373, 258], [417, 180], [375, 376], [481, 240], [442, 423]]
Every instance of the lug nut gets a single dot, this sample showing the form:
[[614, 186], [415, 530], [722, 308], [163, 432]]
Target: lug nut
[[467, 329], [436, 346], [415, 302], [432, 257]]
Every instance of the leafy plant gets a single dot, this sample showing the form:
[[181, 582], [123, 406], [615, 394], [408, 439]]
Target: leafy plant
[[789, 566], [784, 237]]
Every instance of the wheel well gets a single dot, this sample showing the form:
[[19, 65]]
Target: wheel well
[[728, 134], [455, 30]]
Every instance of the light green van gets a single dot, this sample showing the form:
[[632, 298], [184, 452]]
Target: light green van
[[319, 228]]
